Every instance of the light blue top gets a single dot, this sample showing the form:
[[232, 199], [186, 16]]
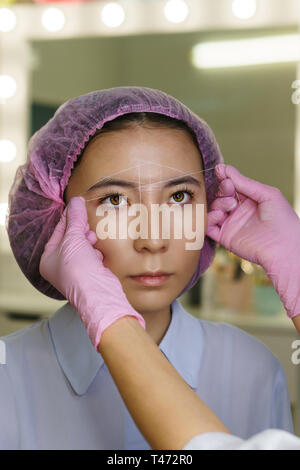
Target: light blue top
[[57, 393]]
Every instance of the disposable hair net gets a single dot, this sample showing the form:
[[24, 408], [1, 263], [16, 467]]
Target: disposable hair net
[[35, 201]]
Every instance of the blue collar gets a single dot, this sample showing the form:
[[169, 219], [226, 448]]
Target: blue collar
[[182, 344]]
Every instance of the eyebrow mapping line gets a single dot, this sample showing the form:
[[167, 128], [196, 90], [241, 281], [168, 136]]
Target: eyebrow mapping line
[[127, 184], [152, 163]]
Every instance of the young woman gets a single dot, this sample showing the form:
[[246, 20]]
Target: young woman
[[57, 390]]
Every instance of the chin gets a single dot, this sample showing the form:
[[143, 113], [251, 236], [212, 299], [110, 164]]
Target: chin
[[151, 300]]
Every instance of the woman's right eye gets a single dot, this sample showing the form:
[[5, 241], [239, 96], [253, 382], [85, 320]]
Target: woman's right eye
[[114, 197]]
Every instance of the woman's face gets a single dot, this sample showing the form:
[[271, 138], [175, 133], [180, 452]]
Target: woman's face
[[143, 156]]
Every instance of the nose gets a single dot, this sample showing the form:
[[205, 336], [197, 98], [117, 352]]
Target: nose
[[150, 244], [153, 240]]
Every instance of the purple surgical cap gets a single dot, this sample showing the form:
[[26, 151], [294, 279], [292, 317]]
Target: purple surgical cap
[[35, 200]]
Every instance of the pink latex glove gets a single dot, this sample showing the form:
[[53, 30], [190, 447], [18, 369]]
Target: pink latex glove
[[71, 264], [263, 229]]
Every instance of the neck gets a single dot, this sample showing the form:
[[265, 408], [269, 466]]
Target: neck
[[157, 323]]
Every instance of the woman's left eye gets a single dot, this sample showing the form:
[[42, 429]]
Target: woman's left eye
[[182, 192]]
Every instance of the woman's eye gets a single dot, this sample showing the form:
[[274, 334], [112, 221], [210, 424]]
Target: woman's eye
[[179, 195], [114, 199]]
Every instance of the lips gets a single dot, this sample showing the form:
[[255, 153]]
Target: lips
[[151, 273], [151, 280]]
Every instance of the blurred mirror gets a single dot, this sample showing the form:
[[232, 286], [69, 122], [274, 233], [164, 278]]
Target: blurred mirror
[[249, 108]]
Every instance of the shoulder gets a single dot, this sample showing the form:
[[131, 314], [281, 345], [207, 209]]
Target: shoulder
[[28, 333], [8, 405], [227, 343], [22, 346], [18, 357], [38, 333], [238, 346]]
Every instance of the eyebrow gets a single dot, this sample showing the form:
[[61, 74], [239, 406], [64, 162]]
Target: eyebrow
[[127, 184]]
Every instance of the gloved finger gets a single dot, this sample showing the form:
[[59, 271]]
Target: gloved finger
[[224, 203], [99, 254], [220, 171], [216, 217], [255, 190], [214, 233], [58, 232], [77, 220], [226, 188], [92, 237]]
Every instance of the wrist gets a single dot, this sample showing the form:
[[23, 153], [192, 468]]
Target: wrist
[[117, 330], [131, 317], [98, 315]]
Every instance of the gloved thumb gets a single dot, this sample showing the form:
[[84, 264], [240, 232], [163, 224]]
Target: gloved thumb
[[77, 220], [58, 232]]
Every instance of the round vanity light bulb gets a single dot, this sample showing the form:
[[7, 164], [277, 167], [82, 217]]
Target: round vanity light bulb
[[8, 87], [8, 150], [53, 19], [8, 20], [176, 11], [112, 15], [244, 9]]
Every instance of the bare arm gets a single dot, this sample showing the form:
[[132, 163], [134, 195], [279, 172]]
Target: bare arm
[[165, 409]]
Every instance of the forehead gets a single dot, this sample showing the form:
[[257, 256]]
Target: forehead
[[142, 151]]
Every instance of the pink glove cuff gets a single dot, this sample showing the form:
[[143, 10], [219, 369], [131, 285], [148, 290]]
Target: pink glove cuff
[[294, 310], [95, 329], [286, 282], [293, 314]]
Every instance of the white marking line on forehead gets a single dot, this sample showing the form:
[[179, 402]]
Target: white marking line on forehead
[[173, 181], [148, 163], [141, 187], [133, 181]]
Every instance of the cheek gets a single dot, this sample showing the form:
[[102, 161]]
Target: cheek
[[108, 247], [111, 255], [115, 253], [194, 227], [186, 260]]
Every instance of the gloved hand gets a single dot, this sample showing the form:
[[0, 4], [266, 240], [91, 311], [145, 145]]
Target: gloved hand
[[71, 264], [263, 228]]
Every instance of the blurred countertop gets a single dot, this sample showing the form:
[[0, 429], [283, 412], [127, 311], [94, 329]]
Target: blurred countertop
[[32, 304], [244, 320], [43, 306]]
